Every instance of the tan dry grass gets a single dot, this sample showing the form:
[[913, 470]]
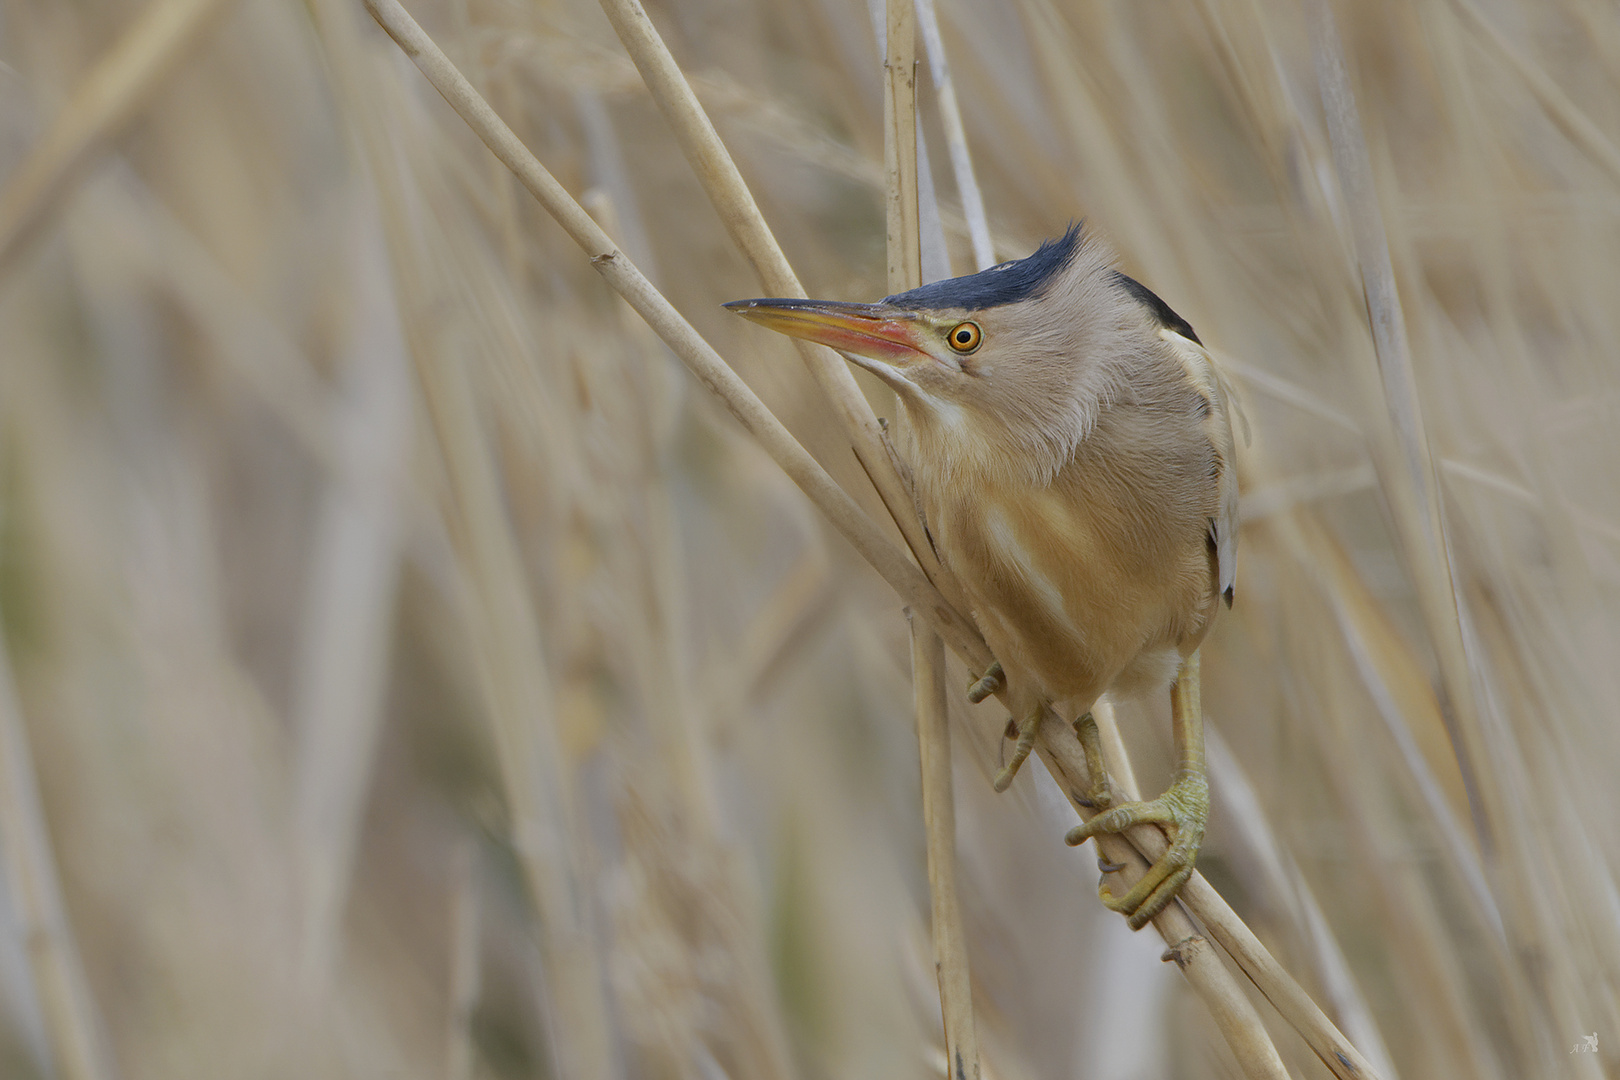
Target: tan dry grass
[[745, 842]]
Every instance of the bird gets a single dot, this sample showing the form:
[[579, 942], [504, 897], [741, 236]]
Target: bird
[[1069, 442]]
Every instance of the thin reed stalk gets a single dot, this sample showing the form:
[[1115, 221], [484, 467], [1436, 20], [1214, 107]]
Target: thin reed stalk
[[900, 208], [349, 609], [1409, 474], [1203, 968], [1234, 1015], [951, 966], [259, 734], [1569, 117], [735, 203], [1408, 477], [1281, 880], [950, 117], [1273, 981], [105, 100], [681, 727], [915, 589], [518, 695], [904, 250], [520, 701]]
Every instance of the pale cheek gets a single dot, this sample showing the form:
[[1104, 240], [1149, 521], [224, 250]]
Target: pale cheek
[[950, 417]]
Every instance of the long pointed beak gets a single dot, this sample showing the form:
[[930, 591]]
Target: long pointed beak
[[891, 336]]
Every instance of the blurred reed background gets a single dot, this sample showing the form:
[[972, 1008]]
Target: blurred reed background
[[347, 518]]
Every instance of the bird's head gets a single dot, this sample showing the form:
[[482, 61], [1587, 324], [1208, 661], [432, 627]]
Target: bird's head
[[1003, 369]]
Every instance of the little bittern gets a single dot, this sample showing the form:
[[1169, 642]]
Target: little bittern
[[1069, 442]]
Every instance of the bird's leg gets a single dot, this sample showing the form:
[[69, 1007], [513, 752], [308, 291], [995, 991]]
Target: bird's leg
[[1027, 729], [1185, 807], [992, 683], [1098, 798]]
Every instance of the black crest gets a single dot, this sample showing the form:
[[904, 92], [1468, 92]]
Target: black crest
[[1008, 283]]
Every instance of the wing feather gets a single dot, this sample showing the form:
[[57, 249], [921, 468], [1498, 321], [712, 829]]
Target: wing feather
[[1206, 378]]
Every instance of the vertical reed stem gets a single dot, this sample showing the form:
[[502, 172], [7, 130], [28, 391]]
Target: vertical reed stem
[[927, 651], [1063, 758], [939, 817]]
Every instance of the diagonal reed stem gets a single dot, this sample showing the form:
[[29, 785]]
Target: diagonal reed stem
[[506, 633], [1230, 1008], [1063, 758], [110, 95], [736, 206], [914, 588]]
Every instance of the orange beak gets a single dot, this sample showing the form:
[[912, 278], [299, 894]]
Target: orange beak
[[888, 335]]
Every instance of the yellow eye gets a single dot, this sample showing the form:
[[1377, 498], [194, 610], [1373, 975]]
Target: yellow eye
[[965, 337]]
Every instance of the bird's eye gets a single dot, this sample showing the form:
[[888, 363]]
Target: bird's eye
[[965, 337]]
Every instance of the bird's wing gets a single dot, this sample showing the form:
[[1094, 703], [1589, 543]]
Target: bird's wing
[[1207, 380]]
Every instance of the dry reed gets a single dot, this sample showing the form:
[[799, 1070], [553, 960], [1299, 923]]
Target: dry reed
[[554, 735], [1232, 1013]]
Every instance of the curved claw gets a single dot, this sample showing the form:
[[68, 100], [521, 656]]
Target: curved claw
[[1185, 807], [989, 685], [1026, 729], [1142, 904]]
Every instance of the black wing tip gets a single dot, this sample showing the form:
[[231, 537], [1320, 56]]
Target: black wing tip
[[1227, 595], [1162, 312]]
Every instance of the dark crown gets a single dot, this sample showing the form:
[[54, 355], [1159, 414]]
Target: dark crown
[[1007, 283]]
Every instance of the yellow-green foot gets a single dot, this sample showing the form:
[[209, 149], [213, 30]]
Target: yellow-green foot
[[1185, 807], [1026, 729], [988, 686]]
